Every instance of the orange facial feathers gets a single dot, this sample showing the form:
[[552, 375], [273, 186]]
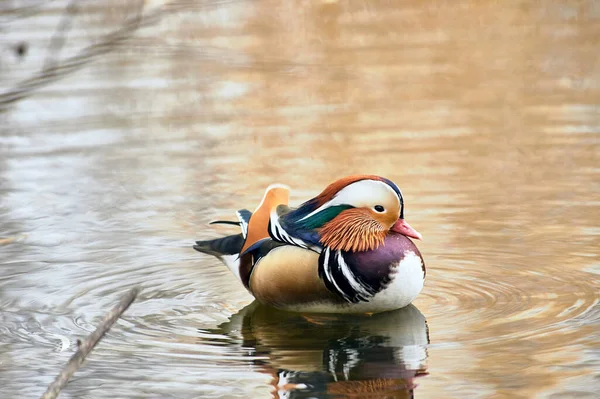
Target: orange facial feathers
[[353, 230]]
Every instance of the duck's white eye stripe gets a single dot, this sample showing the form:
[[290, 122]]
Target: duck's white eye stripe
[[362, 193]]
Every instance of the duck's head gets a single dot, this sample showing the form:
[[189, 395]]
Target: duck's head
[[356, 213]]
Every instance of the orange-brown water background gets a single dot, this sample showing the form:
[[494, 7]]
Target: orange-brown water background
[[125, 127]]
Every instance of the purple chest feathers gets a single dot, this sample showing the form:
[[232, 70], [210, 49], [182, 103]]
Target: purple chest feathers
[[358, 276]]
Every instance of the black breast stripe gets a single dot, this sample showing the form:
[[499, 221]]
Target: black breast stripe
[[340, 278]]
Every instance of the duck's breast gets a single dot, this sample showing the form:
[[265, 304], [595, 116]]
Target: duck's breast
[[396, 272]]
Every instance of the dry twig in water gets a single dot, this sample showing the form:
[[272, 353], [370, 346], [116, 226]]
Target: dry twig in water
[[88, 344]]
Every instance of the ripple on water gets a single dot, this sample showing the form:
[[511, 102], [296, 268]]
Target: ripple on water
[[523, 304], [113, 170], [255, 350]]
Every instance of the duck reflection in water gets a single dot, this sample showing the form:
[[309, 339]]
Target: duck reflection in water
[[334, 356]]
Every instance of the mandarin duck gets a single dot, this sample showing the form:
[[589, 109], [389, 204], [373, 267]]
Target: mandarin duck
[[347, 250]]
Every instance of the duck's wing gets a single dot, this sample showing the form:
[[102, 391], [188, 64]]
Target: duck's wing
[[282, 230], [244, 216], [256, 225], [265, 223]]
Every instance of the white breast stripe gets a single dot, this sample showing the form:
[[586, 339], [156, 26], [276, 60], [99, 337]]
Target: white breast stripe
[[327, 270], [351, 278]]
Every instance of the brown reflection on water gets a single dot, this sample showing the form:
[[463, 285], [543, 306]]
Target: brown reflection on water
[[334, 356], [486, 114]]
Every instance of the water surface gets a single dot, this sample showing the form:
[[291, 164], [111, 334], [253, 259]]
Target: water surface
[[121, 139]]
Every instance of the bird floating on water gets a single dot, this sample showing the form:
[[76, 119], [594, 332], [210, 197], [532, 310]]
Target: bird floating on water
[[347, 250]]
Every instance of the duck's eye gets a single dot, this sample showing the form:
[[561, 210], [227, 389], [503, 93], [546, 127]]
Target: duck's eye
[[379, 208]]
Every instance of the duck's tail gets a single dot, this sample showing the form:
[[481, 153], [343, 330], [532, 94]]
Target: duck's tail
[[230, 245], [254, 228], [226, 249], [219, 247]]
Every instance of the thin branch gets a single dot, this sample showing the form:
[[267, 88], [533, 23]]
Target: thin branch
[[88, 344], [18, 13], [53, 72], [58, 39]]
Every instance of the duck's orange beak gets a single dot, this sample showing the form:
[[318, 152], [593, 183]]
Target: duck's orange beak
[[402, 227]]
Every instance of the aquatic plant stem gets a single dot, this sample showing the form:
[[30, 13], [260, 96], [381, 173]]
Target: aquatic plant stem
[[88, 344]]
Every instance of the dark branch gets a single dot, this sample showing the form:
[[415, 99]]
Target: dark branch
[[51, 72], [18, 13], [88, 344]]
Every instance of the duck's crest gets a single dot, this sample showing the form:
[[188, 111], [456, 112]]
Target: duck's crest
[[311, 206]]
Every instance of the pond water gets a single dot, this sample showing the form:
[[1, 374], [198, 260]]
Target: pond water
[[121, 140]]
